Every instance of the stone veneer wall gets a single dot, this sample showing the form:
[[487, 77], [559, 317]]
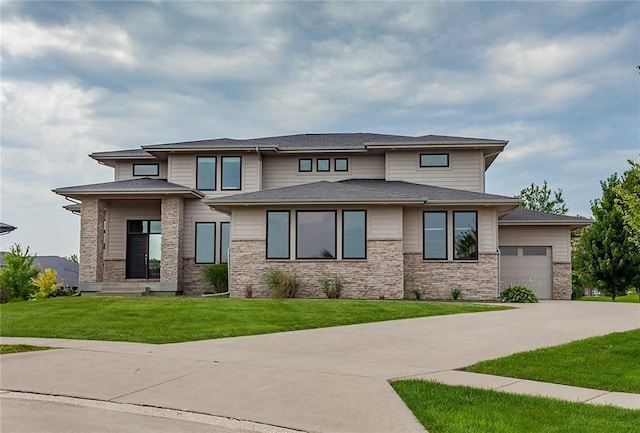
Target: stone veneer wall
[[562, 281], [192, 282], [92, 240], [380, 275], [172, 230], [114, 270], [435, 279]]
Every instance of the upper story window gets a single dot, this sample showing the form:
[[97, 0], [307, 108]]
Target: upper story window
[[341, 164], [465, 235], [206, 173], [146, 169], [278, 234], [316, 234], [305, 164], [231, 172], [323, 164], [434, 160]]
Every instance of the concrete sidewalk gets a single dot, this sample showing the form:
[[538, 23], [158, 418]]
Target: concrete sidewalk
[[322, 380]]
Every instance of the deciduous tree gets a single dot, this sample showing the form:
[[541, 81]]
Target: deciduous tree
[[15, 277], [539, 198]]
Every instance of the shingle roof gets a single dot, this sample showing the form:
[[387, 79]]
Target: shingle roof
[[118, 154], [347, 141], [6, 228], [361, 190], [522, 216], [141, 185]]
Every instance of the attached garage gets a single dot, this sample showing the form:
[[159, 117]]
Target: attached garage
[[529, 266], [535, 251]]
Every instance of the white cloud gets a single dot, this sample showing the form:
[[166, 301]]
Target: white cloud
[[95, 41]]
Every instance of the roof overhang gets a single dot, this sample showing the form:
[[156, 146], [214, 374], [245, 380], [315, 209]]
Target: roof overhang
[[571, 224], [127, 194], [225, 207]]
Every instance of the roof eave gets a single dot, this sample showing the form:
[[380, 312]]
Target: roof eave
[[206, 148], [572, 224], [438, 145], [280, 202], [108, 193]]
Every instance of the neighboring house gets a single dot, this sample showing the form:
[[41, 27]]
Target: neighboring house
[[66, 269], [6, 228], [387, 214]]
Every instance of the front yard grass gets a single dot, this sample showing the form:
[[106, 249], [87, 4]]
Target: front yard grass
[[632, 297], [172, 320], [609, 363], [457, 409], [17, 348]]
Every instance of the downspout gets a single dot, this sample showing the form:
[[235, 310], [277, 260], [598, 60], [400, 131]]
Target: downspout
[[499, 259]]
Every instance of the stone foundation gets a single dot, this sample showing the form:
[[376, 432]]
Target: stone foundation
[[562, 281], [114, 270], [379, 276], [192, 282], [436, 279]]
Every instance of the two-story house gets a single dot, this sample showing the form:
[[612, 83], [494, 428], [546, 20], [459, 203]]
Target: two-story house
[[389, 215]]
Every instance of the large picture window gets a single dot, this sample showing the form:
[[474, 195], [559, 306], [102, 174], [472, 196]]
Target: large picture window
[[224, 242], [206, 173], [316, 234], [465, 232], [231, 173], [434, 236], [277, 234], [354, 234], [205, 242]]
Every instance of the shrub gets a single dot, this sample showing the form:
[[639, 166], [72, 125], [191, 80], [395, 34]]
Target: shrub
[[282, 284], [456, 293], [416, 294], [47, 284], [217, 276], [16, 275], [332, 287], [519, 294]]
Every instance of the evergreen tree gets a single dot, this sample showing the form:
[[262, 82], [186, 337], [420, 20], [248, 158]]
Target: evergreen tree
[[539, 198], [605, 254], [15, 277]]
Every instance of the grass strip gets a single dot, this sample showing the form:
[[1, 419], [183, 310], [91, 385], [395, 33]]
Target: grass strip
[[172, 320], [457, 409], [18, 348], [609, 363]]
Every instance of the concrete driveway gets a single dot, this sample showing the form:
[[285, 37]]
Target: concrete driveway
[[323, 380]]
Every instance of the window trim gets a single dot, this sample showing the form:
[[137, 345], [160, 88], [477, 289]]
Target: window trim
[[477, 236], [157, 166], [215, 177], [335, 164], [446, 235], [434, 166], [335, 234], [366, 239], [328, 160], [222, 223], [266, 246], [222, 187], [195, 236], [300, 170]]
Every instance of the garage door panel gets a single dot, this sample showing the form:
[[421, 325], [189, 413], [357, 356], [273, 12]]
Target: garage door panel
[[531, 267]]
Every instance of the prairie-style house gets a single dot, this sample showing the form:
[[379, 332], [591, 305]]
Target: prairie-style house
[[388, 214]]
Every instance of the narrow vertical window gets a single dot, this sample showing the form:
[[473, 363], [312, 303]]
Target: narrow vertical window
[[205, 242], [206, 173], [224, 242], [316, 234], [231, 173], [305, 165], [354, 234], [434, 236], [465, 234], [277, 234]]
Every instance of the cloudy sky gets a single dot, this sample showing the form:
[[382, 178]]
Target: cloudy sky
[[556, 79]]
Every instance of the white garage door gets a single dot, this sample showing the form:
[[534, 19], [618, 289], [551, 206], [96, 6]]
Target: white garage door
[[527, 266]]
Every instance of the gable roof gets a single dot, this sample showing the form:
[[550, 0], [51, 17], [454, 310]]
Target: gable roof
[[522, 216], [141, 186], [369, 191]]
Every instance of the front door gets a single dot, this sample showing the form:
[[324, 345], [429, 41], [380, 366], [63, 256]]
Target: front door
[[143, 249]]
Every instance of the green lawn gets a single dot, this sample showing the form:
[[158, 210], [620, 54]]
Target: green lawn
[[170, 320], [627, 298], [457, 409], [609, 363], [17, 348]]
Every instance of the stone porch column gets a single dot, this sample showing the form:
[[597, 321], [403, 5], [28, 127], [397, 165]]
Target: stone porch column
[[91, 243], [171, 256]]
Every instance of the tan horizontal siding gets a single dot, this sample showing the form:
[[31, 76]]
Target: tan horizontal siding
[[558, 238], [385, 223], [195, 211]]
